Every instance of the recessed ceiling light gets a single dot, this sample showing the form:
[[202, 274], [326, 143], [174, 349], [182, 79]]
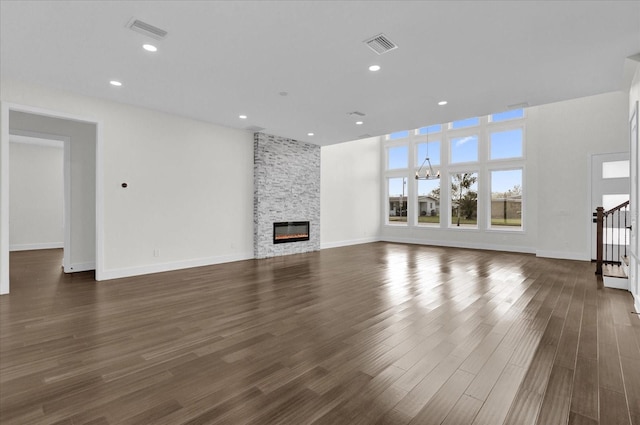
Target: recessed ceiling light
[[374, 68], [242, 117], [359, 122], [309, 134], [115, 83], [442, 102], [149, 47]]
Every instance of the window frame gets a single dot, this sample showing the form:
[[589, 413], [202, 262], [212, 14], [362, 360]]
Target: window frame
[[483, 167]]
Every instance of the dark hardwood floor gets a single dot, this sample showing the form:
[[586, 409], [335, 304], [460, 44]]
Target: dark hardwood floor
[[371, 334]]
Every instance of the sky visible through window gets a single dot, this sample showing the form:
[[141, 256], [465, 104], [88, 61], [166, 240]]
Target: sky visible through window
[[430, 129], [397, 185], [508, 115], [426, 186], [465, 123], [464, 149], [399, 135], [398, 157], [506, 144], [504, 180], [433, 153]]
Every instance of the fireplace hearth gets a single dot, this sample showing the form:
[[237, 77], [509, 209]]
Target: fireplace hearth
[[290, 231]]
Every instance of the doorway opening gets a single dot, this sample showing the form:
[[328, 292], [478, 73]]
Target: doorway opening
[[82, 184]]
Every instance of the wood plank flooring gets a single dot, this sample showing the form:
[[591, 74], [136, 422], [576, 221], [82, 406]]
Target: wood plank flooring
[[378, 333]]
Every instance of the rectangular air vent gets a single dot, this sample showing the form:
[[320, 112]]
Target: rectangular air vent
[[358, 113], [380, 44], [146, 29]]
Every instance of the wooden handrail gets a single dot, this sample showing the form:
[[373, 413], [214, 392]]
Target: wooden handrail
[[601, 214], [614, 209]]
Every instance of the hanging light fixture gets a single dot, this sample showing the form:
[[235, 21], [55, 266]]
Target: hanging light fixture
[[428, 173]]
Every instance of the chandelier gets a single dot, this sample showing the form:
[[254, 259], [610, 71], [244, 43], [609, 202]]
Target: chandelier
[[425, 172]]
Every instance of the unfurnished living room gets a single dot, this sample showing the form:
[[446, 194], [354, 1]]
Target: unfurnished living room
[[319, 212]]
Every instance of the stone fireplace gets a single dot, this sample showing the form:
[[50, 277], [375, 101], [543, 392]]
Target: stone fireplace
[[286, 190]]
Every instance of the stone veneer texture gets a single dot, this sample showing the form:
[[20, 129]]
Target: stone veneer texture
[[286, 175]]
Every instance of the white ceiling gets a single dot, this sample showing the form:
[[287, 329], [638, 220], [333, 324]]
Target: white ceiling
[[222, 59]]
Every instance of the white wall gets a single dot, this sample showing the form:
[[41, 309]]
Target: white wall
[[350, 193], [566, 134], [560, 139], [37, 195], [190, 184]]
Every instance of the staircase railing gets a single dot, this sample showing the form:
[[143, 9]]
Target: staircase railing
[[611, 235]]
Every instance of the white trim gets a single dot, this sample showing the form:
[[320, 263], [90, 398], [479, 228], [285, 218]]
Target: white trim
[[176, 265], [36, 141], [350, 242], [563, 255], [636, 305], [616, 282], [459, 244], [80, 267], [4, 198], [35, 246]]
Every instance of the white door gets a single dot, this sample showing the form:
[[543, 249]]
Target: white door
[[609, 188], [634, 263]]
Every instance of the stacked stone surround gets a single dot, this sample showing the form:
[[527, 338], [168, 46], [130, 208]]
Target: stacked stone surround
[[286, 187]]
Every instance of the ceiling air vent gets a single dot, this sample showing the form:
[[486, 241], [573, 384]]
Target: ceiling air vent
[[255, 128], [380, 44], [147, 29], [358, 113]]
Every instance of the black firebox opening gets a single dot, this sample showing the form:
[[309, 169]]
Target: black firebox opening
[[290, 231]]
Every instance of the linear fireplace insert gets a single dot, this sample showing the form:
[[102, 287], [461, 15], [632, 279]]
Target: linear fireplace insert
[[290, 231]]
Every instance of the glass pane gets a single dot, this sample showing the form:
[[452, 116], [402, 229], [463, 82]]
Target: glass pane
[[615, 169], [507, 115], [464, 200], [465, 123], [398, 157], [432, 151], [464, 149], [611, 201], [431, 129], [428, 202], [506, 144], [399, 135], [397, 200], [506, 199]]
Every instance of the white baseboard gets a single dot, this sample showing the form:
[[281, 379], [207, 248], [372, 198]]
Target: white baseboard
[[35, 246], [563, 255], [176, 265], [460, 244], [636, 304], [348, 242], [80, 267]]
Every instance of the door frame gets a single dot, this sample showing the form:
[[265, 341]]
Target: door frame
[[592, 174], [5, 107]]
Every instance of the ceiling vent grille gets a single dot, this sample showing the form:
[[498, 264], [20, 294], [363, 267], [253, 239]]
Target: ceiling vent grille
[[358, 113], [147, 29], [380, 44]]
